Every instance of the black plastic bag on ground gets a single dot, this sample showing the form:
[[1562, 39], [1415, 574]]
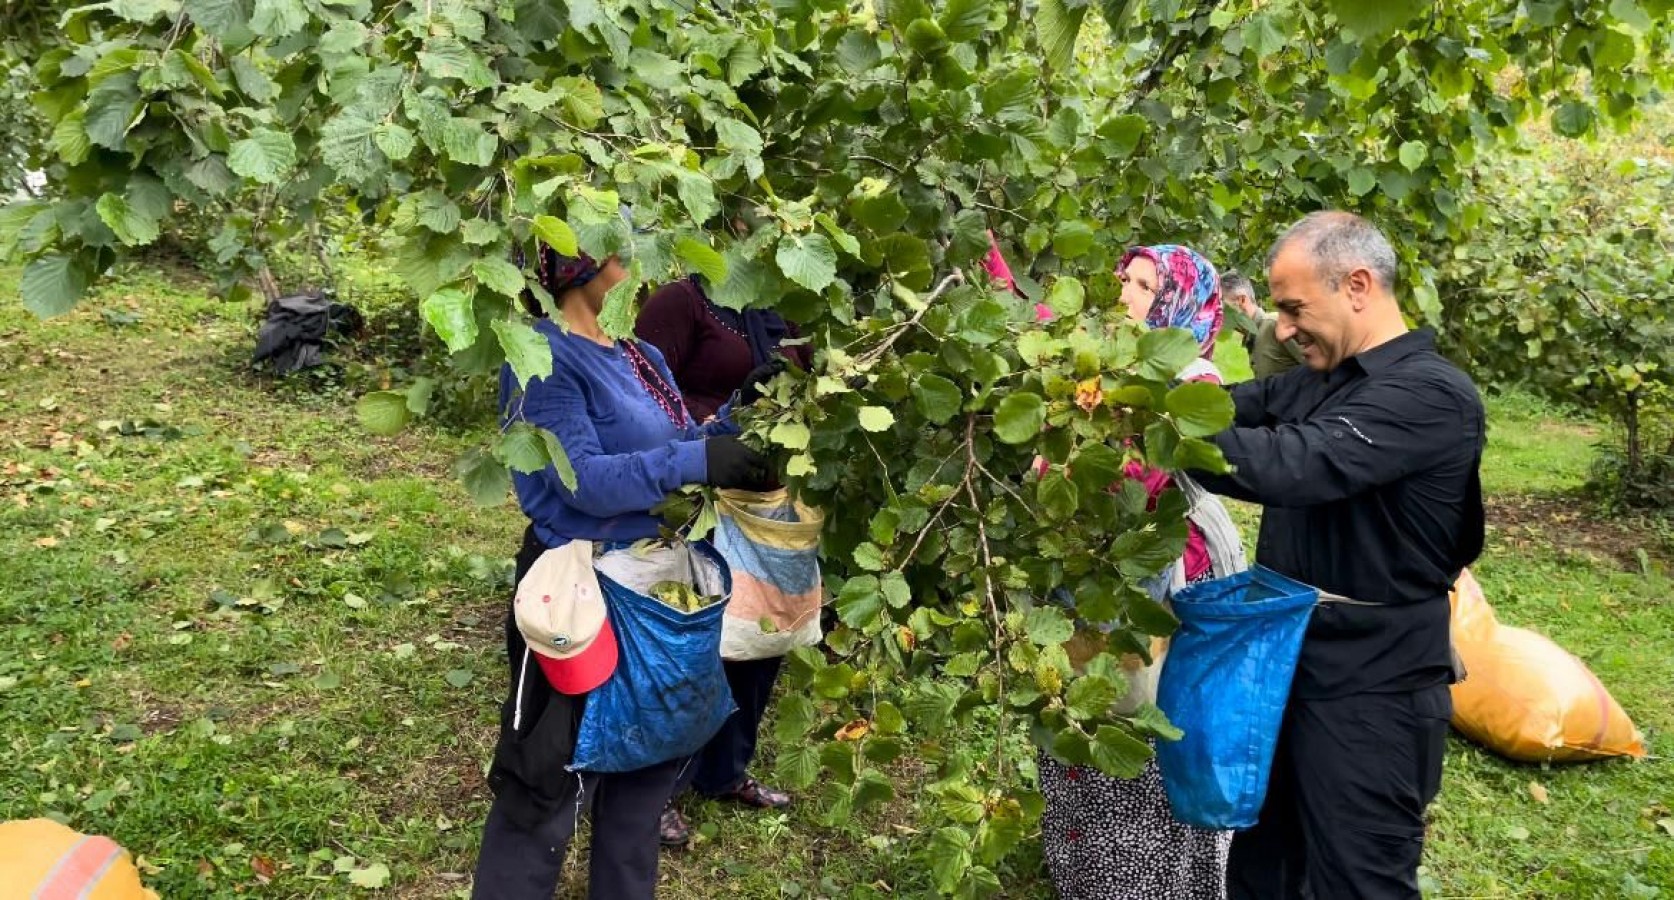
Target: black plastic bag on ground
[[296, 328]]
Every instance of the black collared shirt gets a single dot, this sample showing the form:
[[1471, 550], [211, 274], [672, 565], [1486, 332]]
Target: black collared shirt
[[1369, 476]]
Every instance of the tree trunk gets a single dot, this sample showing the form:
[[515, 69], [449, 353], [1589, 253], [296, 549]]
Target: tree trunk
[[268, 284]]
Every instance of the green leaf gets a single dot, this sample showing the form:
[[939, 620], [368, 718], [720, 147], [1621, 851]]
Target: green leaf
[[617, 317], [111, 109], [937, 398], [798, 765], [265, 157], [130, 226], [523, 448], [448, 58], [1119, 754], [1121, 135], [1199, 408], [790, 435], [1573, 119], [278, 18], [376, 875], [1047, 625], [1413, 154], [963, 803], [706, 260], [1019, 418], [1151, 720], [499, 275], [560, 459], [464, 141], [1262, 35], [1163, 352], [450, 312], [858, 51], [346, 146], [394, 140], [1058, 27], [557, 234], [1090, 697], [223, 19], [808, 260], [1361, 181], [793, 716], [252, 80], [1058, 496], [950, 857], [1631, 14], [870, 556], [871, 788], [1073, 239], [876, 418], [51, 285], [964, 20], [886, 718], [458, 677], [69, 138], [527, 350], [1370, 18], [860, 602], [1096, 467], [383, 412], [485, 479], [1066, 297]]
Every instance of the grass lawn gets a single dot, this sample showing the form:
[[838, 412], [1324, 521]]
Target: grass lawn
[[261, 648]]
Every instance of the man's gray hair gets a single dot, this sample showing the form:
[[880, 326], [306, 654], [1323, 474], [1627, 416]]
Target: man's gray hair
[[1234, 283], [1338, 243]]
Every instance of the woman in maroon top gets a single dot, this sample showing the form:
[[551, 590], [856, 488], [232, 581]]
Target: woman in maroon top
[[711, 350]]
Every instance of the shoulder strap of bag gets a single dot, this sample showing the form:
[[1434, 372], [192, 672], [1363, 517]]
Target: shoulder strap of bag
[[1220, 534]]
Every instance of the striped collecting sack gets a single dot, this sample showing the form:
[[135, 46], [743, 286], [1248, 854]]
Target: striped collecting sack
[[772, 544], [43, 860]]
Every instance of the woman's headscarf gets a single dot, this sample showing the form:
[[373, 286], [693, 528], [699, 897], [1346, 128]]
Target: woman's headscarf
[[555, 273], [1188, 292]]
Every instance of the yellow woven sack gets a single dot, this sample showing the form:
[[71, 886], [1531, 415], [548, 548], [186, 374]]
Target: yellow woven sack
[[1526, 698], [43, 860]]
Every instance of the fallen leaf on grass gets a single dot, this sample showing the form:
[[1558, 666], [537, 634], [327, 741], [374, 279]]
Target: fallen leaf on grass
[[46, 543], [458, 677], [373, 876], [122, 641], [1538, 792], [1666, 825], [264, 868]]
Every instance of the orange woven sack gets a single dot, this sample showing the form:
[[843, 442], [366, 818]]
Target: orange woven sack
[[1526, 698], [43, 860]]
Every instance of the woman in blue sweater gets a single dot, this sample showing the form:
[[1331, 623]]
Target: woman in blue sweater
[[615, 408]]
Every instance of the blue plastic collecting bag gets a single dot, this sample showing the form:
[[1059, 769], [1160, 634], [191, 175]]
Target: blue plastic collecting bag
[[1225, 683], [668, 695]]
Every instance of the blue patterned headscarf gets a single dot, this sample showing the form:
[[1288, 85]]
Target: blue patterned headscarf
[[1188, 292]]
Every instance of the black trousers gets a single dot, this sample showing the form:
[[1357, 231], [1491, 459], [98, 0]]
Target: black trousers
[[538, 804], [1344, 816], [519, 863], [723, 762]]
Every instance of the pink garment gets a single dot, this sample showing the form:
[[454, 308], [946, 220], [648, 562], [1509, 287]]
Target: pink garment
[[995, 264]]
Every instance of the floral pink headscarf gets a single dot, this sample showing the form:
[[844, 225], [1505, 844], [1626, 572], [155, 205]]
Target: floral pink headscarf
[[1188, 292]]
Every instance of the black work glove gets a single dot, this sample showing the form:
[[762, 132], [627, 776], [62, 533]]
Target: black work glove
[[751, 391], [733, 465]]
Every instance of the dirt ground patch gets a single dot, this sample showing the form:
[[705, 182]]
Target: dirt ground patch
[[1570, 523]]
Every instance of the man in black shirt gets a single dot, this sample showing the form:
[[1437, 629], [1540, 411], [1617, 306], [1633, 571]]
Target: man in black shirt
[[1366, 461]]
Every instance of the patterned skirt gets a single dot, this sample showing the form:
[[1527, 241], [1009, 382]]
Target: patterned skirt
[[1116, 839]]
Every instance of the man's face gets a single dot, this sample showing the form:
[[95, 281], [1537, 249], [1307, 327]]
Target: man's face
[[1247, 302], [1322, 320], [1139, 287]]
